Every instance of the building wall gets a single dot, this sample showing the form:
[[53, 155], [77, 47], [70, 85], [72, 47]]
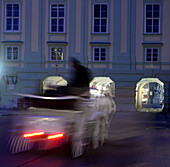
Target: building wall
[[125, 43]]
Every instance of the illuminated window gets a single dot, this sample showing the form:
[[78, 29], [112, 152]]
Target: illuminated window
[[57, 14], [152, 18], [100, 18], [99, 54], [12, 15], [56, 54], [151, 54], [12, 53]]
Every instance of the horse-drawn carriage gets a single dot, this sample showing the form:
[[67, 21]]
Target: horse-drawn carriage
[[81, 121]]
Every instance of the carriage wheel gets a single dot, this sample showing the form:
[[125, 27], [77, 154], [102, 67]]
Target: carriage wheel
[[96, 135], [77, 147]]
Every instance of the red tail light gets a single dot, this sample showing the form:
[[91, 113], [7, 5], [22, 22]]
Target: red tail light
[[55, 136], [33, 134]]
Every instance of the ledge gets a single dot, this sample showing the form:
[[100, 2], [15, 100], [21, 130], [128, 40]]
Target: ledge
[[152, 34], [57, 42], [100, 43], [100, 33], [152, 44], [12, 42]]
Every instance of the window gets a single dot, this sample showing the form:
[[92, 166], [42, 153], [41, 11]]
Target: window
[[151, 54], [56, 53], [57, 14], [100, 18], [152, 18], [12, 52], [12, 17], [99, 54]]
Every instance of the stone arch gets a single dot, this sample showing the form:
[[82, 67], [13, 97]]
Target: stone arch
[[150, 95]]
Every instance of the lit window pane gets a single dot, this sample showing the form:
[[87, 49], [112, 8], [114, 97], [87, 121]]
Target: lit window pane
[[53, 49], [60, 54], [53, 53], [15, 53]]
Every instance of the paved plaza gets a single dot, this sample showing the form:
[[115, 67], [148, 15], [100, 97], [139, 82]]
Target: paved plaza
[[135, 140]]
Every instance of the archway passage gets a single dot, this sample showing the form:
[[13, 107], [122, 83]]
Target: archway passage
[[150, 95]]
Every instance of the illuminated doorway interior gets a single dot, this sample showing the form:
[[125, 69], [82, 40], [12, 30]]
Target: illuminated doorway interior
[[150, 95]]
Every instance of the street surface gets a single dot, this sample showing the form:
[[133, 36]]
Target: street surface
[[135, 140]]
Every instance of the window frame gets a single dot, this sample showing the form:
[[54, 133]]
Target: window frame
[[12, 56], [64, 24], [107, 22], [56, 53], [152, 18], [158, 52], [99, 54], [19, 18]]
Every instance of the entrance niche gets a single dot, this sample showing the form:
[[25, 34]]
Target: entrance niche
[[150, 95]]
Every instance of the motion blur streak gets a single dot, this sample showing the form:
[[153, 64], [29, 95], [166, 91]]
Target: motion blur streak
[[55, 136], [33, 134]]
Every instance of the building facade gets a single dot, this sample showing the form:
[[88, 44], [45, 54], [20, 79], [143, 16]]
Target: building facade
[[126, 40]]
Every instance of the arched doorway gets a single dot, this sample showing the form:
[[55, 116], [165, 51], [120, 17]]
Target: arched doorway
[[150, 95]]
